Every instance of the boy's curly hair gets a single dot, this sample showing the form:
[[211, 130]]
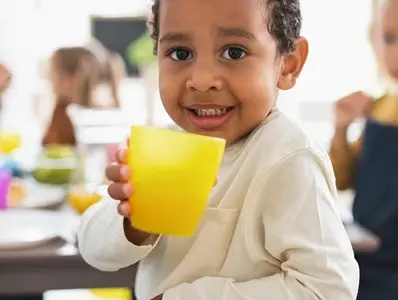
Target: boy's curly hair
[[284, 23]]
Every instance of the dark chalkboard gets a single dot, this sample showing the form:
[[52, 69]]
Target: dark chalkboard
[[116, 34]]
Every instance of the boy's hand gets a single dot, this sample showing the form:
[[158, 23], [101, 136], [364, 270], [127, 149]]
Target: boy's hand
[[351, 107], [119, 174], [121, 190]]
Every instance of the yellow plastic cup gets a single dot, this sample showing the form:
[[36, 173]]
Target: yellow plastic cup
[[173, 174], [112, 294]]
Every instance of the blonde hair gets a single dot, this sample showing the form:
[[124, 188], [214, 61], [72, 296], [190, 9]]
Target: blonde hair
[[90, 71], [387, 84]]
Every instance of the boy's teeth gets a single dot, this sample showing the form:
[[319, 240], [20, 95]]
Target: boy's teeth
[[211, 112]]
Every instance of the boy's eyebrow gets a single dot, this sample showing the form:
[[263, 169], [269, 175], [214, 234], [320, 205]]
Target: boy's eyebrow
[[236, 32], [174, 37], [222, 31]]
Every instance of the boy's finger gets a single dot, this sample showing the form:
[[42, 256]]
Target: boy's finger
[[117, 173], [120, 191], [121, 156], [124, 209]]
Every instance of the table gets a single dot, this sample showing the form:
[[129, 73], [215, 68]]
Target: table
[[56, 265]]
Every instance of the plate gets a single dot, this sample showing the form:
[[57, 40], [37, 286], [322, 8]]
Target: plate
[[38, 195], [361, 238], [21, 229]]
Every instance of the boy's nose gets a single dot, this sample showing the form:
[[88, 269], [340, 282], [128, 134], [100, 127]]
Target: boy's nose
[[204, 77]]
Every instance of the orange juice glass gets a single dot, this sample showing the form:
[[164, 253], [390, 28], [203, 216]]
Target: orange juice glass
[[81, 199], [173, 174], [9, 142]]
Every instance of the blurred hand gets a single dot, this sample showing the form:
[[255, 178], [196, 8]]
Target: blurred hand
[[5, 78], [160, 297], [351, 107]]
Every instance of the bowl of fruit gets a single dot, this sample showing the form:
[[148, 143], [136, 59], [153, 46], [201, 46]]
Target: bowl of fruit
[[55, 165]]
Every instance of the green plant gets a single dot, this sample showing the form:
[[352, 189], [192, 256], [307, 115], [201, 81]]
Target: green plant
[[140, 52]]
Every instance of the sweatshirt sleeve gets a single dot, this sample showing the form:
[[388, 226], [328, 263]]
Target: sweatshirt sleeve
[[344, 164], [102, 242], [303, 231]]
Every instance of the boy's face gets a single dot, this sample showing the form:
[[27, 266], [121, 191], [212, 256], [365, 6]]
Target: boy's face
[[219, 66], [385, 37]]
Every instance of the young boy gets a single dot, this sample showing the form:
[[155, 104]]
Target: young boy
[[271, 229]]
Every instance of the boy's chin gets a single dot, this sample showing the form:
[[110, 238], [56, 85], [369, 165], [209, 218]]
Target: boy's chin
[[217, 133], [224, 134]]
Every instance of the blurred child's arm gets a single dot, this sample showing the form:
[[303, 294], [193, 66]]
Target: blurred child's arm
[[344, 156], [102, 240], [303, 231]]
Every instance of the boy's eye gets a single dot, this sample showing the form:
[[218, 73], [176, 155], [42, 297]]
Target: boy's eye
[[180, 54], [233, 53]]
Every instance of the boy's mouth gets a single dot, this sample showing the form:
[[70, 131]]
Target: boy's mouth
[[210, 118], [212, 112]]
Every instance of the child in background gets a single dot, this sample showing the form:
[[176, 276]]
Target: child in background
[[271, 229], [370, 165], [75, 74], [5, 80]]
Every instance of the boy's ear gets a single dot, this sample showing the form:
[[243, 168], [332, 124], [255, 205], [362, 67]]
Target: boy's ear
[[292, 65]]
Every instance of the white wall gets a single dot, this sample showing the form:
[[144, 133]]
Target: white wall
[[340, 59]]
